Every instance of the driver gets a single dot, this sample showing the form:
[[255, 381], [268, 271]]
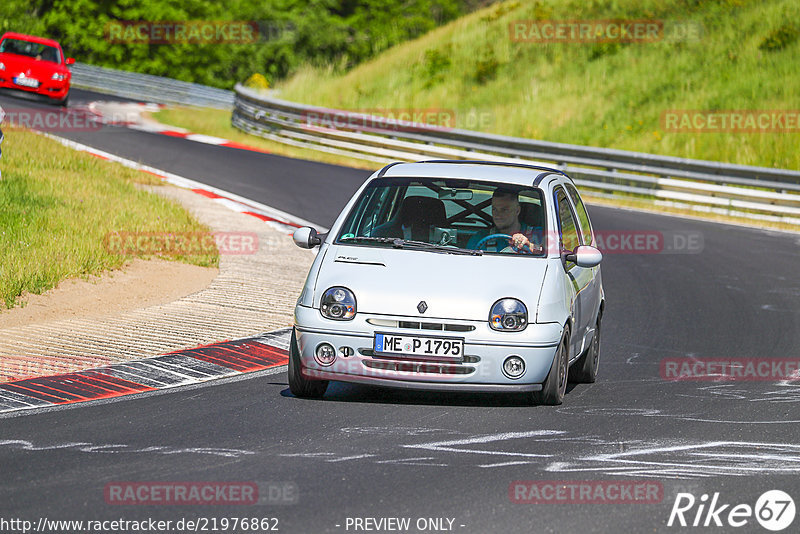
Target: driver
[[505, 215]]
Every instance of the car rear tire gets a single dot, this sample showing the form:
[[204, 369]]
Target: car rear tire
[[584, 371], [298, 385], [555, 386]]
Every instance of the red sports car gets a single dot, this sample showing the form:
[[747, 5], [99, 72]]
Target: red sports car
[[35, 64]]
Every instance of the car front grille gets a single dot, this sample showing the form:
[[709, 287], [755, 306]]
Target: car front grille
[[421, 325]]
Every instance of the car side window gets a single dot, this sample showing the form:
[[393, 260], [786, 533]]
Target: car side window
[[566, 222], [583, 216], [370, 207]]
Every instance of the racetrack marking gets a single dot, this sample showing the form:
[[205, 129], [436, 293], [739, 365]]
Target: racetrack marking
[[412, 461], [122, 448], [692, 460], [306, 454], [788, 391], [184, 367], [664, 460], [396, 430], [506, 464], [791, 396], [347, 458], [450, 446]]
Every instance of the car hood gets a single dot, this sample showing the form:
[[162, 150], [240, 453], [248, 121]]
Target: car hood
[[393, 282], [16, 65]]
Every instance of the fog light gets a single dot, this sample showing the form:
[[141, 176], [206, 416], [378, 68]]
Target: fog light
[[325, 354], [514, 367]]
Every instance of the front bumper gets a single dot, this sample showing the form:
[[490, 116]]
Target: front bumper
[[56, 90], [485, 350]]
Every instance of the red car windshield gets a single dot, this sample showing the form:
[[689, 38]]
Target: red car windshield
[[38, 51]]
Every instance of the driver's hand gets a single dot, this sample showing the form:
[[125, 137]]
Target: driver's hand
[[519, 240]]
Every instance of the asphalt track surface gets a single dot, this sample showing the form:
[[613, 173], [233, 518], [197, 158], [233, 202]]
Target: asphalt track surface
[[363, 452]]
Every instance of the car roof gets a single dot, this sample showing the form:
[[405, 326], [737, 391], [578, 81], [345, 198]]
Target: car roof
[[488, 171], [31, 38]]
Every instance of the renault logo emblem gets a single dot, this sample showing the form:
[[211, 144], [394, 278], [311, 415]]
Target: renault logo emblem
[[422, 306]]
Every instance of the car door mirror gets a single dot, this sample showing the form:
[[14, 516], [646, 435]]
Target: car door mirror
[[306, 237], [585, 256], [70, 60]]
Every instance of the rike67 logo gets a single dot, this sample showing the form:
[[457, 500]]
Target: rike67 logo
[[774, 510]]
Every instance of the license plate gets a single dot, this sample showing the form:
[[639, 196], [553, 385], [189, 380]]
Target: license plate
[[446, 348], [27, 82]]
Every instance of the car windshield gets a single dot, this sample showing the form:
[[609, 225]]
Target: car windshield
[[30, 49], [447, 215]]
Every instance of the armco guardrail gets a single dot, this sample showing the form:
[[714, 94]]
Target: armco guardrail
[[737, 190], [149, 88]]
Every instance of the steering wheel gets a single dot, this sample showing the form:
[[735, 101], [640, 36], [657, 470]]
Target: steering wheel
[[483, 242]]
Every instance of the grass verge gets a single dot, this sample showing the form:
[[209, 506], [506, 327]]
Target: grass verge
[[604, 94], [58, 205]]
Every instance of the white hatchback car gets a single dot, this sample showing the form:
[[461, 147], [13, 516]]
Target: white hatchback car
[[453, 275]]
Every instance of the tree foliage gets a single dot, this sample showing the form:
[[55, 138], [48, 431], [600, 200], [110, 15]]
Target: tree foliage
[[341, 33]]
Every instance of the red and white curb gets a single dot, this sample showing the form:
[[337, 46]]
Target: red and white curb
[[180, 368], [130, 115], [280, 220], [122, 113]]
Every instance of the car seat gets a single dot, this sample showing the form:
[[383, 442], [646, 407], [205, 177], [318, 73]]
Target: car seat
[[418, 214]]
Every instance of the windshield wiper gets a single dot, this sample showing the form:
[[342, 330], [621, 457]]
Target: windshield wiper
[[444, 248], [369, 239], [396, 242]]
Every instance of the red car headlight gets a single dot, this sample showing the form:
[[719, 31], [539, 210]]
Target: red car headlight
[[59, 77]]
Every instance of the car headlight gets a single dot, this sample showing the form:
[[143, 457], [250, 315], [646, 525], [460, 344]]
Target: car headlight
[[508, 315], [59, 77], [2, 66], [338, 303]]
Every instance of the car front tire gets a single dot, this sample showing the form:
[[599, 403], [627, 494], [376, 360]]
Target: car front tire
[[555, 386], [298, 385], [62, 102], [584, 371]]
